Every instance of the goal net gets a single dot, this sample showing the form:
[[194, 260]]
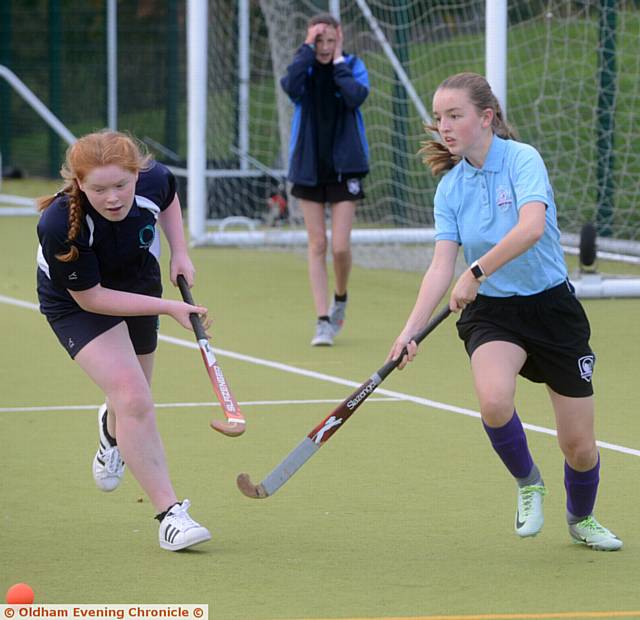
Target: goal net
[[573, 91]]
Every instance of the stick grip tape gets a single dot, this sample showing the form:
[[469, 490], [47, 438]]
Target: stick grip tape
[[193, 317]]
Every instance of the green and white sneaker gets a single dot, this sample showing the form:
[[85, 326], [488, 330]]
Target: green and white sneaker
[[589, 532], [529, 515], [337, 312]]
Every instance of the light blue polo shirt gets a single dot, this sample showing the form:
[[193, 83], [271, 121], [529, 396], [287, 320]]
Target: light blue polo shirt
[[477, 207]]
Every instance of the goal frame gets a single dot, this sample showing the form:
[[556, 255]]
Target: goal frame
[[197, 42]]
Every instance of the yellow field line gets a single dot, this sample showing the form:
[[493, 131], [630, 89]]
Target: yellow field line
[[577, 615]]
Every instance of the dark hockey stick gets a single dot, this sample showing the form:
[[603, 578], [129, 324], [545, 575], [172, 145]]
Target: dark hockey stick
[[334, 421], [235, 424]]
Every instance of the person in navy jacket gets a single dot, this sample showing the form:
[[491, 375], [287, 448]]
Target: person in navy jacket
[[328, 158], [99, 287]]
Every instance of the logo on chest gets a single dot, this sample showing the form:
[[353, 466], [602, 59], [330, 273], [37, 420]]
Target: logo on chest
[[504, 199], [146, 236]]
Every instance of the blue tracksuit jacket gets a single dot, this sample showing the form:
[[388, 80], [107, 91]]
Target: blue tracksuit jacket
[[350, 148]]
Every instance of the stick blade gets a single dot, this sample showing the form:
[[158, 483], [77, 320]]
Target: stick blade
[[230, 429], [253, 491]]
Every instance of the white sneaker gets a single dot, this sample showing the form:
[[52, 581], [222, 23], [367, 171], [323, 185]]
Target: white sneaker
[[179, 531], [589, 532], [108, 466], [324, 335], [529, 516], [337, 313]]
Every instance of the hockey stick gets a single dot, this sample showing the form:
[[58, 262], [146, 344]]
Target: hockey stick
[[334, 421], [235, 424]]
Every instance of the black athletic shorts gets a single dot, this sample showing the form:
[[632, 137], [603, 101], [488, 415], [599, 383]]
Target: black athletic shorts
[[551, 327], [76, 330], [349, 189]]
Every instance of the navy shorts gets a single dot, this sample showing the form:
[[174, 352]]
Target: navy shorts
[[347, 190], [76, 330], [551, 327]]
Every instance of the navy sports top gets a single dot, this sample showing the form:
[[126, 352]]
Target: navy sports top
[[118, 255]]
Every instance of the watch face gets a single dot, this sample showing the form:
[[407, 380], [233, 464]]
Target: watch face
[[477, 272]]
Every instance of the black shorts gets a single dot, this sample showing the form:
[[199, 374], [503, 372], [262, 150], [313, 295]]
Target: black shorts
[[76, 330], [551, 327], [349, 189]]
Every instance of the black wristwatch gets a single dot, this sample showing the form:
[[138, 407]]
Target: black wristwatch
[[477, 272]]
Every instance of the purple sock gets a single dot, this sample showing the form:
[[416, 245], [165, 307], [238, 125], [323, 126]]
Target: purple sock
[[510, 442], [582, 488]]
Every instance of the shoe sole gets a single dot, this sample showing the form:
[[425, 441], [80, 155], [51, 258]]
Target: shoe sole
[[594, 546], [526, 534], [168, 547]]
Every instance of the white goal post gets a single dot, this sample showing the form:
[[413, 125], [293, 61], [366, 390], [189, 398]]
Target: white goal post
[[197, 85], [18, 204], [585, 128]]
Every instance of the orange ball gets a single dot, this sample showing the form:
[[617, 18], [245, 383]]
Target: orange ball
[[19, 594]]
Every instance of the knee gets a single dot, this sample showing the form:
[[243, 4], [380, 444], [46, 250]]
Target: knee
[[133, 403], [580, 453], [496, 409], [341, 253], [318, 246]]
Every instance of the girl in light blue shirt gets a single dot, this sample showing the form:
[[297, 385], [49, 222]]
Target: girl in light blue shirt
[[519, 315]]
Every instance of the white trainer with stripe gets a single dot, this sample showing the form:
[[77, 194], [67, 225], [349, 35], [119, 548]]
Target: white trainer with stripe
[[108, 466], [179, 531]]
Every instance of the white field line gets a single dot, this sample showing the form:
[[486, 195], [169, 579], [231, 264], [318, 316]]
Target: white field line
[[247, 403], [18, 302], [330, 378]]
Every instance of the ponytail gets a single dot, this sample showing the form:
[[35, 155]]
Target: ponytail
[[500, 127], [74, 217], [435, 154], [102, 148]]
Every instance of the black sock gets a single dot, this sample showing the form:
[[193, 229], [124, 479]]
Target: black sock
[[161, 515], [110, 439], [340, 297], [324, 317]]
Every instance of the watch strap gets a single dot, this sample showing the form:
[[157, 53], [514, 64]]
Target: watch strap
[[477, 271]]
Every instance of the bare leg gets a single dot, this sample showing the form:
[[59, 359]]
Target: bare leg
[[342, 215], [146, 361], [124, 381], [316, 253], [495, 366], [576, 435]]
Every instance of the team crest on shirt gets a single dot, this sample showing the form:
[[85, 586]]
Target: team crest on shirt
[[353, 185], [146, 236], [585, 364], [504, 200]]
